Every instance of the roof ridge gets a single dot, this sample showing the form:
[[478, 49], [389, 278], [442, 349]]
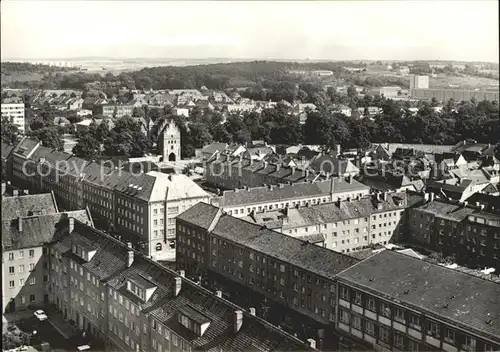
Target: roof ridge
[[187, 280]]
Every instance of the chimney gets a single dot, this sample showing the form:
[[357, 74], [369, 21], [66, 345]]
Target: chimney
[[20, 224], [238, 320], [252, 311], [327, 175], [26, 192], [311, 343], [129, 245], [178, 285], [384, 196], [130, 258], [71, 224], [307, 173], [15, 193], [218, 293], [350, 178], [431, 196], [182, 273]]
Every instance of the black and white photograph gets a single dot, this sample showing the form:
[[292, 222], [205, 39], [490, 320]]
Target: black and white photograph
[[263, 176]]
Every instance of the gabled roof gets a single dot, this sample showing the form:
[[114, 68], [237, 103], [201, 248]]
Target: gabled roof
[[461, 299], [36, 231], [315, 259], [109, 264], [22, 206]]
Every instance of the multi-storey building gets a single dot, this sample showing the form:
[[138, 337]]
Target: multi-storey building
[[119, 296], [140, 206], [113, 110], [469, 232], [392, 301], [456, 94], [28, 224], [241, 202], [419, 82], [14, 112], [295, 277], [228, 172], [347, 225]]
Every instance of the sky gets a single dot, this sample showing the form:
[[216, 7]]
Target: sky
[[458, 30]]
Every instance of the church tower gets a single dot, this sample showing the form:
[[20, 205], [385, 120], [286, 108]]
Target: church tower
[[170, 142]]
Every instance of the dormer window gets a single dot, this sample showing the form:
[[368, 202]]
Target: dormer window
[[141, 287], [84, 250], [193, 320]]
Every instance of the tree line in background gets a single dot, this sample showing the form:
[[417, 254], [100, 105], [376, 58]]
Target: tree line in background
[[325, 126]]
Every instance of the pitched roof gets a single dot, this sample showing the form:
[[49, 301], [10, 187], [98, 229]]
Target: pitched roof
[[332, 212], [294, 191], [334, 166], [315, 259], [109, 264], [38, 230], [213, 147], [446, 210], [174, 186], [457, 297], [25, 205], [202, 215]]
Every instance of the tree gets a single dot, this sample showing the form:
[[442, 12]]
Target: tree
[[50, 137], [126, 139], [199, 135], [10, 132], [87, 147]]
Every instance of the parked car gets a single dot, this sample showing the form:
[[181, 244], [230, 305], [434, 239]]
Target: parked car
[[40, 315]]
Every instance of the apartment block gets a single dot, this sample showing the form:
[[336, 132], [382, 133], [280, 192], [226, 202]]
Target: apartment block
[[345, 225], [468, 232], [228, 172], [141, 207], [132, 303], [29, 223], [241, 202], [14, 112], [296, 277], [113, 110], [392, 301]]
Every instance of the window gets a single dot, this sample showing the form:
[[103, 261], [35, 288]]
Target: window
[[11, 284], [415, 322], [358, 298], [356, 322], [282, 268], [167, 334], [398, 340], [31, 253], [383, 334], [469, 344], [11, 256], [344, 293], [345, 316], [21, 282], [11, 270], [433, 329], [32, 298], [370, 328], [174, 340], [413, 346], [32, 267], [371, 305], [32, 280], [450, 336], [399, 315], [158, 247]]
